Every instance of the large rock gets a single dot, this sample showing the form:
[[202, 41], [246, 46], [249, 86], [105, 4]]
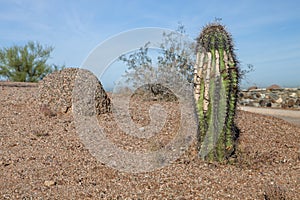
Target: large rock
[[290, 103], [252, 88], [273, 87], [56, 91], [155, 92], [297, 102]]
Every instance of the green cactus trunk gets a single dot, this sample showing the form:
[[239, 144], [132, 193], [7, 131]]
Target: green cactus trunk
[[216, 79]]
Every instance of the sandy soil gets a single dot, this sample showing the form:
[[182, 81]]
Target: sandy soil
[[42, 157]]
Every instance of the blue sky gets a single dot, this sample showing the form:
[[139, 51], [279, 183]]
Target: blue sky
[[266, 33]]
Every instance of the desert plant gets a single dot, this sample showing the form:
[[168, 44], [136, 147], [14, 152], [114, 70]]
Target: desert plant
[[176, 53], [26, 63], [216, 78]]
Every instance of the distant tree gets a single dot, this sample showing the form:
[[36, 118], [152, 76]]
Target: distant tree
[[176, 52], [26, 63], [140, 68]]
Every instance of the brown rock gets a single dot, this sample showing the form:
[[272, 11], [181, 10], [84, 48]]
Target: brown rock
[[297, 102], [252, 88], [290, 103], [258, 95], [272, 87], [156, 92], [263, 103], [56, 92]]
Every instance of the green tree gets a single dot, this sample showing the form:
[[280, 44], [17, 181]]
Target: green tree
[[26, 63]]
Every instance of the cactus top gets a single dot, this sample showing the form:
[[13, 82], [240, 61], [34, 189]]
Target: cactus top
[[214, 36]]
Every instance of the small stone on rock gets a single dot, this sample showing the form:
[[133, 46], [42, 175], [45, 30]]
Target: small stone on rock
[[49, 183]]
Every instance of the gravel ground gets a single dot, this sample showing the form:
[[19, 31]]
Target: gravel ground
[[42, 157]]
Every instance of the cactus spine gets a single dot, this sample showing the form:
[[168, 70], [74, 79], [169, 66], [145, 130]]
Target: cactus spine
[[216, 79]]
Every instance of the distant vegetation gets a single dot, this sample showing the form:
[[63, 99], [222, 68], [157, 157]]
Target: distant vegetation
[[26, 63], [177, 52]]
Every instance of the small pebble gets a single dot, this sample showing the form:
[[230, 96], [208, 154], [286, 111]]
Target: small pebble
[[49, 183]]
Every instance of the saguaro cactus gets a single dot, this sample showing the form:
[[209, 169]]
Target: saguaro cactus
[[216, 79]]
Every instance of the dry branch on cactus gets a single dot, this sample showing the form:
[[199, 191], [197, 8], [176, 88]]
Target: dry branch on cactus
[[216, 79]]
